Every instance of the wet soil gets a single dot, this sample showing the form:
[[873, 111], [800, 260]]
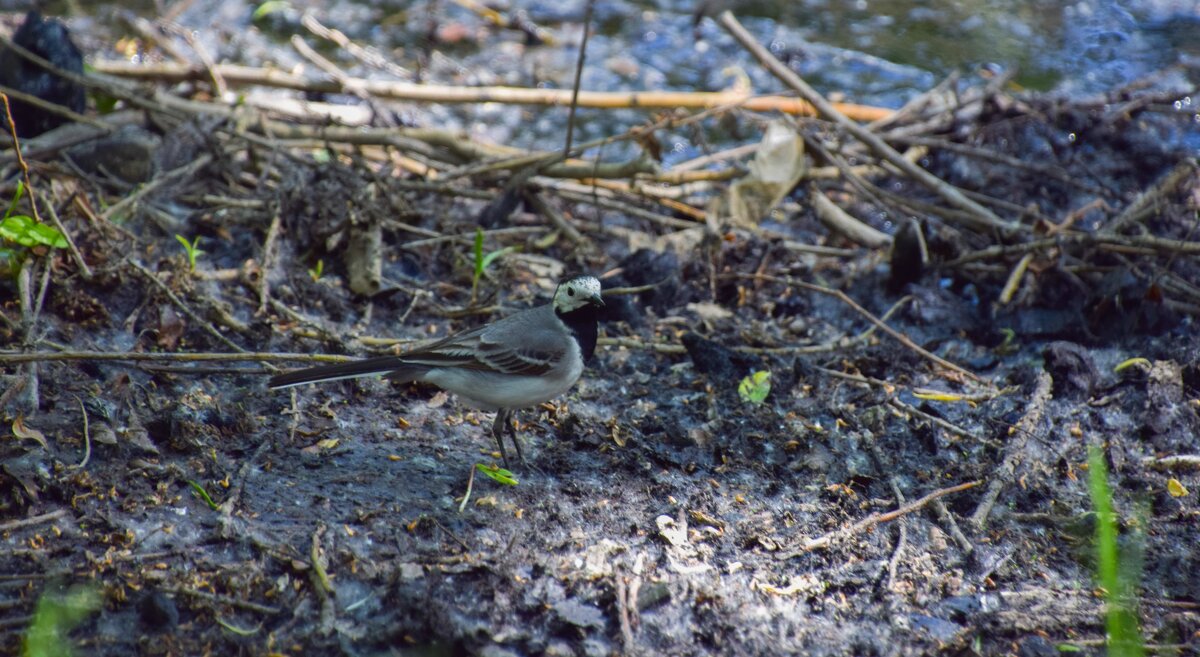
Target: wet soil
[[659, 512]]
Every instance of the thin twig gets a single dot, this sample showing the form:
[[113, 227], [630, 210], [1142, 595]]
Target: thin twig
[[368, 55], [872, 520], [87, 438], [844, 298], [225, 600], [1152, 196], [185, 171], [1030, 424], [587, 25], [183, 306], [33, 520], [268, 261], [985, 218], [470, 486], [84, 270], [237, 75]]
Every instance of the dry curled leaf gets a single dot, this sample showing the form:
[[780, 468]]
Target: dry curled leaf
[[23, 431]]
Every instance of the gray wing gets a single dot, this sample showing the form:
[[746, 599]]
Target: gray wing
[[530, 343]]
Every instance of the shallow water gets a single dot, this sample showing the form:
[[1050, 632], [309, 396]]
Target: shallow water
[[1087, 46], [877, 52]]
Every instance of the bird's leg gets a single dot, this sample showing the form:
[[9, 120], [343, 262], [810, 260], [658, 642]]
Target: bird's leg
[[512, 432], [498, 433]]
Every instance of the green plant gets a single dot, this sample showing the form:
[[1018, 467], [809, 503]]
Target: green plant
[[192, 248], [754, 388], [57, 613], [268, 8], [1009, 345], [497, 474], [318, 271], [484, 260], [1121, 624], [203, 494], [25, 233]]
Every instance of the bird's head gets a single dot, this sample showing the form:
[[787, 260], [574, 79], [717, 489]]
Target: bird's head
[[575, 293]]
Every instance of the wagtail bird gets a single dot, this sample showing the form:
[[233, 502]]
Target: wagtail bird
[[524, 359]]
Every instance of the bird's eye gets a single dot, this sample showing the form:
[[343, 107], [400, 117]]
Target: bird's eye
[[570, 291]]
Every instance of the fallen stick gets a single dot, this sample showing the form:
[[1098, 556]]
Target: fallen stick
[[234, 74], [872, 520], [983, 217]]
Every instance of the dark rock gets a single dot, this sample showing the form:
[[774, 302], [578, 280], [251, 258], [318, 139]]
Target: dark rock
[[1071, 367], [497, 212], [158, 612], [1191, 378], [644, 267], [49, 39], [127, 154], [719, 362], [574, 612], [944, 310], [938, 629], [1037, 646], [960, 607]]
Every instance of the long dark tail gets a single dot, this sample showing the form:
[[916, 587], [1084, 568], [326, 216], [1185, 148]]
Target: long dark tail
[[396, 368]]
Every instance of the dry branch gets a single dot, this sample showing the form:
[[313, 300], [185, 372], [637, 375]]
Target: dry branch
[[872, 520], [985, 219], [234, 74]]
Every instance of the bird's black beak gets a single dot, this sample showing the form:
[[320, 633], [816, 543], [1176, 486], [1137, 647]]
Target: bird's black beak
[[597, 302]]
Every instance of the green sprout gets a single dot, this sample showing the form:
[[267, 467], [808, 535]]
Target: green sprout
[[25, 230], [1009, 345], [754, 388], [498, 474], [483, 261], [203, 494], [268, 8], [25, 233], [1121, 624], [56, 614], [317, 271], [192, 248]]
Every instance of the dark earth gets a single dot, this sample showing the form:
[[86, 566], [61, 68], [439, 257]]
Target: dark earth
[[659, 511]]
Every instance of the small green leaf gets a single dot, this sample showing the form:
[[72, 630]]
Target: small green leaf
[[491, 257], [203, 494], [105, 104], [498, 474], [755, 388], [268, 8], [1009, 345], [192, 249], [317, 271], [48, 235], [16, 229], [56, 615], [1066, 647], [240, 631], [12, 205]]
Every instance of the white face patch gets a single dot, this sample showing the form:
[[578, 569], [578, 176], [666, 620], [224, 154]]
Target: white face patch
[[575, 293]]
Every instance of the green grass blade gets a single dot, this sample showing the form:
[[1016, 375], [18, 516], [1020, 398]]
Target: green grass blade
[[1121, 625]]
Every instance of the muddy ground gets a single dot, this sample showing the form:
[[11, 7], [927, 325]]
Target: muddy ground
[[659, 512]]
